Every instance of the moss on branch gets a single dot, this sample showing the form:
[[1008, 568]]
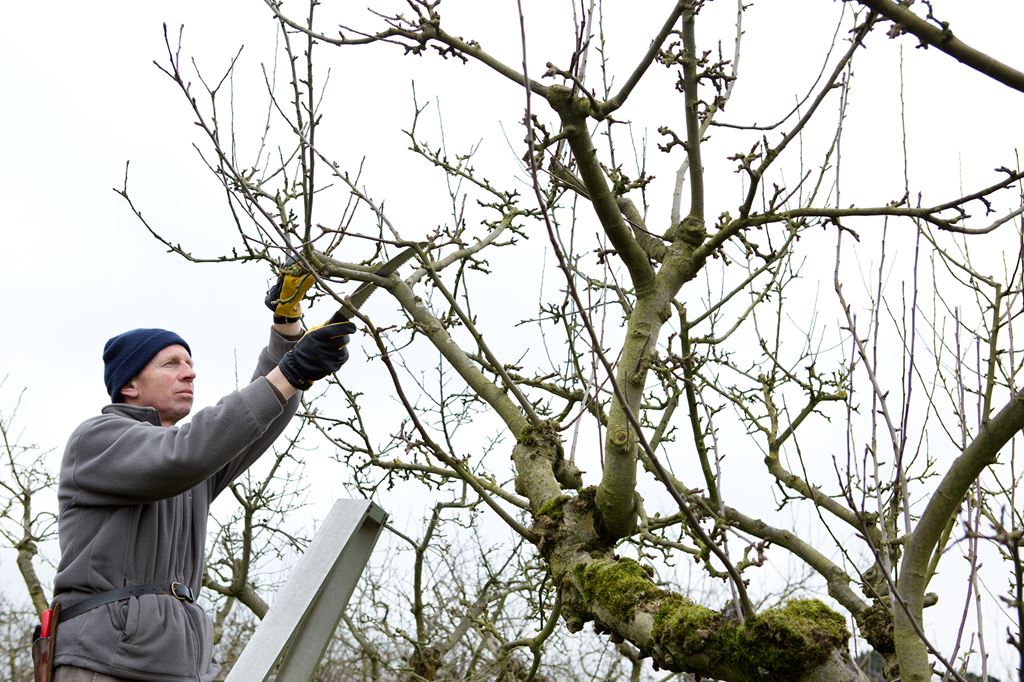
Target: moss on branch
[[797, 641], [781, 643], [617, 586]]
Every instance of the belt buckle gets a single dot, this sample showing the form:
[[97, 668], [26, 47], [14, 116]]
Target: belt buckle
[[182, 592]]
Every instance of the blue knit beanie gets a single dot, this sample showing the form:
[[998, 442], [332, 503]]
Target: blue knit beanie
[[127, 354]]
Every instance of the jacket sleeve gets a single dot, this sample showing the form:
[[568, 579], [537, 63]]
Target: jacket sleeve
[[117, 460], [268, 360]]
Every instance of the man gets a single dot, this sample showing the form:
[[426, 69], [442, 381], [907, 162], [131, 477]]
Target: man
[[135, 491]]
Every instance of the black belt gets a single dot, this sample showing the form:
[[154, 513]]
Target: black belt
[[177, 590]]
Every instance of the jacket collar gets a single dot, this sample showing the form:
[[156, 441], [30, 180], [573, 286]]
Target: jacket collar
[[136, 412]]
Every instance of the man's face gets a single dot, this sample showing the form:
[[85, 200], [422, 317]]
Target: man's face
[[165, 383]]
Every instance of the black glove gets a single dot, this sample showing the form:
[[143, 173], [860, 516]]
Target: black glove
[[320, 351], [285, 297]]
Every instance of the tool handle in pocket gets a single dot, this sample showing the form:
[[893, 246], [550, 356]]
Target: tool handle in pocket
[[45, 643]]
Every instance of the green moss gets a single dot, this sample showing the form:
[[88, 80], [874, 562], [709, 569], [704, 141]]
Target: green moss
[[876, 627], [781, 643], [691, 627], [544, 434], [586, 496], [554, 508], [616, 585], [793, 638], [777, 644]]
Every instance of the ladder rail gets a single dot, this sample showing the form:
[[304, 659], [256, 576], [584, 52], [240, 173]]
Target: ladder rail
[[291, 639]]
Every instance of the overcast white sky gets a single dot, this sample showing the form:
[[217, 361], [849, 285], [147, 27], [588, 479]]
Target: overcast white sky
[[81, 97]]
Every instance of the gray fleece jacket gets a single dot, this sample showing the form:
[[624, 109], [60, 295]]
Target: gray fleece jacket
[[134, 498]]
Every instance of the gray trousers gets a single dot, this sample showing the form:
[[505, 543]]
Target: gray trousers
[[67, 673]]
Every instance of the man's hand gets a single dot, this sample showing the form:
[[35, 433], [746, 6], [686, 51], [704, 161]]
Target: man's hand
[[320, 351], [285, 297]]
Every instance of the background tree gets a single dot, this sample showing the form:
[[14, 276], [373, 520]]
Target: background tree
[[27, 522], [26, 510], [15, 641]]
